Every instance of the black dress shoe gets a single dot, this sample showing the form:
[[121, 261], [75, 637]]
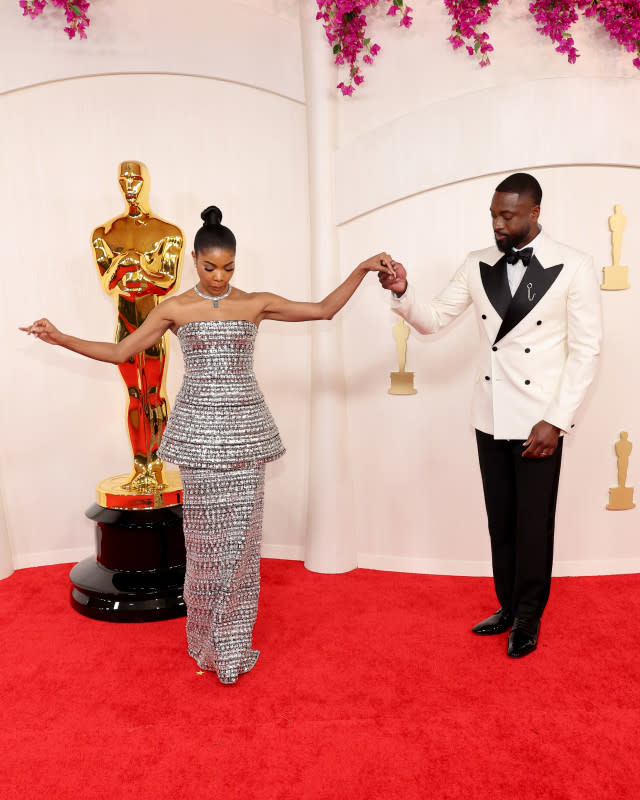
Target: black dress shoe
[[499, 622], [523, 638]]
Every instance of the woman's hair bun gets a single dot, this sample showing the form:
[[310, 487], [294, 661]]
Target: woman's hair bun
[[211, 215]]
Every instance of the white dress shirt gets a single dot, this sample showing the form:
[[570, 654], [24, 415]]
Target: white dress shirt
[[516, 271]]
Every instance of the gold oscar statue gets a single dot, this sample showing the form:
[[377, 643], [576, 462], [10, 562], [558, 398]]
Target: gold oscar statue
[[616, 276], [138, 571], [621, 497], [139, 258], [401, 381]]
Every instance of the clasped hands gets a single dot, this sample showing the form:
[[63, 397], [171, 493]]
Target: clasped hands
[[396, 280]]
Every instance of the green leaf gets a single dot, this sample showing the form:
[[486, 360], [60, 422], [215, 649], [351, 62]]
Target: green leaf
[[76, 10], [367, 42], [398, 3], [477, 45], [337, 48]]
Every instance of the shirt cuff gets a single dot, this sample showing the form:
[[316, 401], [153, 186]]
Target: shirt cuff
[[403, 298]]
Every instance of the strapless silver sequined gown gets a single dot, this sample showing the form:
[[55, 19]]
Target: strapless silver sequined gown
[[221, 433]]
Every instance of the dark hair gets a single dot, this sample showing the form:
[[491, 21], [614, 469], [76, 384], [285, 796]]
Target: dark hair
[[522, 183], [213, 233]]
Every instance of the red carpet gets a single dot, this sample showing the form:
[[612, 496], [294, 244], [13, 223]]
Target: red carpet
[[370, 685]]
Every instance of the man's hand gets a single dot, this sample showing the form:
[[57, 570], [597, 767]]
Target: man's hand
[[394, 283], [542, 441]]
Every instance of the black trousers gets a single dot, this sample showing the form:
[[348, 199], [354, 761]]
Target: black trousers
[[520, 496]]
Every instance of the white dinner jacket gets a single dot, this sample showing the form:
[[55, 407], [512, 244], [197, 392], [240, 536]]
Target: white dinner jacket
[[539, 348]]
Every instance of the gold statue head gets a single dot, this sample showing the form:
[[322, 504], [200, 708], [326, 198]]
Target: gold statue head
[[133, 178], [617, 208]]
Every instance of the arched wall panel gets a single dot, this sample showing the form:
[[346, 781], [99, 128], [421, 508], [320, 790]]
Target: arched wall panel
[[62, 420], [417, 489], [216, 39], [558, 121]]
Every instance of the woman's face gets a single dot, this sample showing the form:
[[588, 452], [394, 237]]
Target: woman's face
[[215, 267]]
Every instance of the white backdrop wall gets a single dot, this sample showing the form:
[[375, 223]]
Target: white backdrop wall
[[236, 139], [426, 512], [421, 149], [217, 111]]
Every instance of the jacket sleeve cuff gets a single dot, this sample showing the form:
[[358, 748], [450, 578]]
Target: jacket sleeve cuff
[[564, 424]]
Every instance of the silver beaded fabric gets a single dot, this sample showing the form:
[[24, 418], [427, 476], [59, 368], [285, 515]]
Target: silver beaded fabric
[[222, 530], [221, 433], [219, 417]]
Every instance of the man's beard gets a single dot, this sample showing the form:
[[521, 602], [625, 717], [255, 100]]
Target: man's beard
[[505, 245], [509, 242]]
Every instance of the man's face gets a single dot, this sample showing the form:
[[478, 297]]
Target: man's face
[[515, 220]]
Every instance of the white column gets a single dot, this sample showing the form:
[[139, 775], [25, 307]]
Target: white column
[[330, 543]]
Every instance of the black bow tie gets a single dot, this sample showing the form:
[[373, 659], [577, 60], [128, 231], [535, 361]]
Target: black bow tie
[[520, 255]]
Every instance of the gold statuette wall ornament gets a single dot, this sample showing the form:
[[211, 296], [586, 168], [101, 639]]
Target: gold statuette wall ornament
[[139, 259], [401, 381], [616, 276], [621, 497]]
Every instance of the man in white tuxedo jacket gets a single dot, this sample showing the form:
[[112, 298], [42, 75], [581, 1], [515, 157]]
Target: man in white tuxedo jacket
[[537, 303]]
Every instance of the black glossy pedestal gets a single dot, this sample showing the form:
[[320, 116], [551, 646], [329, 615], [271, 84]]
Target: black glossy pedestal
[[138, 573]]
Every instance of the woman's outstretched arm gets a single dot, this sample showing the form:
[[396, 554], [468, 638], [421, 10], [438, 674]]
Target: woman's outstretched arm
[[145, 336], [283, 310]]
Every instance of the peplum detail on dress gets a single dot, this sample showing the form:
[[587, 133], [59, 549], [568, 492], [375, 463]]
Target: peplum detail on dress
[[220, 418]]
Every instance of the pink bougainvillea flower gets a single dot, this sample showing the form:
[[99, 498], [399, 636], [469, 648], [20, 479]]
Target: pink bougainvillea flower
[[620, 18], [75, 12], [345, 25]]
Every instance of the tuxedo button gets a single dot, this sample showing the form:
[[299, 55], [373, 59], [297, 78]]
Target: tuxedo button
[[494, 348], [527, 349], [484, 316], [539, 322], [487, 378], [527, 382]]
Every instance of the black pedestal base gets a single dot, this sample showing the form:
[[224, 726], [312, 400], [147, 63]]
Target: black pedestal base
[[138, 573]]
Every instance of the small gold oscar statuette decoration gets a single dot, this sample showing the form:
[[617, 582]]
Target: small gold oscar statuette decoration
[[401, 381], [621, 497], [616, 276]]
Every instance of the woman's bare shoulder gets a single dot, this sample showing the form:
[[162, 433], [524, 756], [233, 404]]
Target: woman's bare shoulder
[[174, 307], [257, 297], [187, 296]]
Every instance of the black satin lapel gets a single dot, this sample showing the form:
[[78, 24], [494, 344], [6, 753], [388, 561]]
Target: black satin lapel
[[494, 280], [535, 283]]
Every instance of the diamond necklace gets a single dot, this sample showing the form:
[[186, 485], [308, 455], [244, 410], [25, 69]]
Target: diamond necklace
[[209, 297]]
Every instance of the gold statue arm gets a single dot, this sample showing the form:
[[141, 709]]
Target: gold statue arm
[[108, 262], [148, 334], [103, 254], [283, 310], [162, 264]]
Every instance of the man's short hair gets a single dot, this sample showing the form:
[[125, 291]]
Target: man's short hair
[[522, 183]]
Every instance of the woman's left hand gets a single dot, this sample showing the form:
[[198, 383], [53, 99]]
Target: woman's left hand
[[379, 263]]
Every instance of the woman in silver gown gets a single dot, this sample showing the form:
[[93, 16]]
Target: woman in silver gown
[[220, 433]]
